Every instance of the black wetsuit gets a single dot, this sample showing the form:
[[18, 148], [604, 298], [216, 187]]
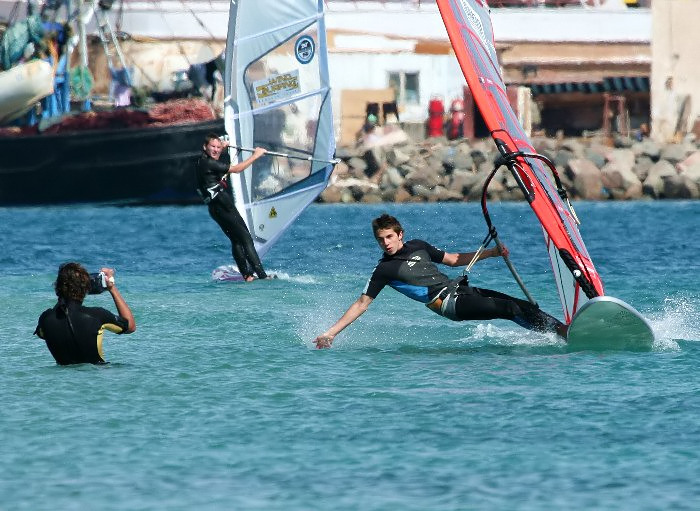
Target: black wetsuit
[[412, 272], [224, 212], [78, 341]]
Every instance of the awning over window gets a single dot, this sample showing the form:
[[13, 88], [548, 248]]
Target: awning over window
[[612, 84]]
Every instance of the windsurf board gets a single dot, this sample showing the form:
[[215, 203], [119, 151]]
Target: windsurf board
[[607, 323]]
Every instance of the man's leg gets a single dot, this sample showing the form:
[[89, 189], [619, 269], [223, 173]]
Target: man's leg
[[226, 221], [245, 241], [478, 303]]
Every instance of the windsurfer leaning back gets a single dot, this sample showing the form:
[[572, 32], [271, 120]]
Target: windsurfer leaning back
[[409, 267], [211, 185]]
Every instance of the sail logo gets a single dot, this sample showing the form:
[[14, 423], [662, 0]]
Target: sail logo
[[304, 49], [475, 22], [273, 213], [276, 87]]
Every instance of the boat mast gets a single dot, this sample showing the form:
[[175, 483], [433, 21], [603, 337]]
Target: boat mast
[[82, 50]]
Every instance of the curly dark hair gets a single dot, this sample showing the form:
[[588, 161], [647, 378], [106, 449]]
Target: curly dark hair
[[73, 282], [386, 221]]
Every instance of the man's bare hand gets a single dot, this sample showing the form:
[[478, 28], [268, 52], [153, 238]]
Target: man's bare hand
[[324, 341]]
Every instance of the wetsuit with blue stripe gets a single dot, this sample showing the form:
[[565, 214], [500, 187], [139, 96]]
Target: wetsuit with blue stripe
[[412, 272]]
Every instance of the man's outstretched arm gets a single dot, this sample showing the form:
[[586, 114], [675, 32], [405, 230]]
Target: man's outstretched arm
[[354, 311], [464, 258]]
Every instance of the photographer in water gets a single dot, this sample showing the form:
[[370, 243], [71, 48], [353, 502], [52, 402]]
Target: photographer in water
[[73, 332]]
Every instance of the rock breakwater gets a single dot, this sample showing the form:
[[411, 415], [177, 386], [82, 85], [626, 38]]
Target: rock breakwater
[[394, 169]]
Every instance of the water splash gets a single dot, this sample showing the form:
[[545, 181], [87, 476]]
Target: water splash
[[677, 321], [230, 273]]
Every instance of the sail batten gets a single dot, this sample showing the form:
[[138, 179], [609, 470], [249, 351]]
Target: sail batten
[[277, 92], [258, 110], [277, 29], [469, 28]]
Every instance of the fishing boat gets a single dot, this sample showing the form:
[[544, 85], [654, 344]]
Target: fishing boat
[[71, 152], [277, 96], [594, 320]]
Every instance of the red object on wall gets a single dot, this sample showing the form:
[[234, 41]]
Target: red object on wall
[[436, 113]]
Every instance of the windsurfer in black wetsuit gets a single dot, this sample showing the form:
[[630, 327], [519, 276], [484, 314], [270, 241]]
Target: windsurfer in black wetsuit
[[410, 269], [73, 332], [211, 185]]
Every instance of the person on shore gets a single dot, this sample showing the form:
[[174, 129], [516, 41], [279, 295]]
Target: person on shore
[[211, 185], [409, 267], [73, 332]]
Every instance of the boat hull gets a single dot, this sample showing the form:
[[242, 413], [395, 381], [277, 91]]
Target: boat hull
[[153, 165]]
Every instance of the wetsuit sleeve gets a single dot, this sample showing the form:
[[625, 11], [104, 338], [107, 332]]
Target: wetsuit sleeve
[[376, 282], [38, 331], [112, 322], [436, 255]]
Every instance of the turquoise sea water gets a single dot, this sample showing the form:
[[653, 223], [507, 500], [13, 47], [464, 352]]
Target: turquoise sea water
[[219, 401]]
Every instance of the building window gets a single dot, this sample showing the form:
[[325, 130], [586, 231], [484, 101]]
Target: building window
[[405, 86]]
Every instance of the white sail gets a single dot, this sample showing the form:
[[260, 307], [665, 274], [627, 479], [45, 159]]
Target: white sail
[[277, 96]]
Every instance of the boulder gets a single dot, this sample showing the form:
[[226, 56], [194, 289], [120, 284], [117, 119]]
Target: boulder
[[462, 160], [642, 166], [596, 154], [478, 156], [620, 181], [623, 141], [402, 195], [397, 156], [461, 181], [692, 160], [622, 157], [675, 153], [357, 163], [680, 187], [341, 169], [562, 158], [346, 196], [422, 191], [653, 185], [424, 177], [692, 172], [442, 194], [541, 144], [573, 146], [647, 148], [496, 188], [392, 178], [373, 197], [586, 179], [332, 194]]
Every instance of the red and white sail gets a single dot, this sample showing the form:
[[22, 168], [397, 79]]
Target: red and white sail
[[469, 28]]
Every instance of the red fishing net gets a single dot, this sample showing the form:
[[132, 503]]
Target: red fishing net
[[177, 111]]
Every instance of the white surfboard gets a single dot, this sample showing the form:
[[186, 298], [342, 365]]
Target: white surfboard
[[230, 273], [607, 323]]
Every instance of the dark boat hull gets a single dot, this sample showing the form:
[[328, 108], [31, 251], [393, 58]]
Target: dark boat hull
[[153, 165]]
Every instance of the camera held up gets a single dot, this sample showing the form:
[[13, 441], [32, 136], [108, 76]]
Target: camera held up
[[98, 283]]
